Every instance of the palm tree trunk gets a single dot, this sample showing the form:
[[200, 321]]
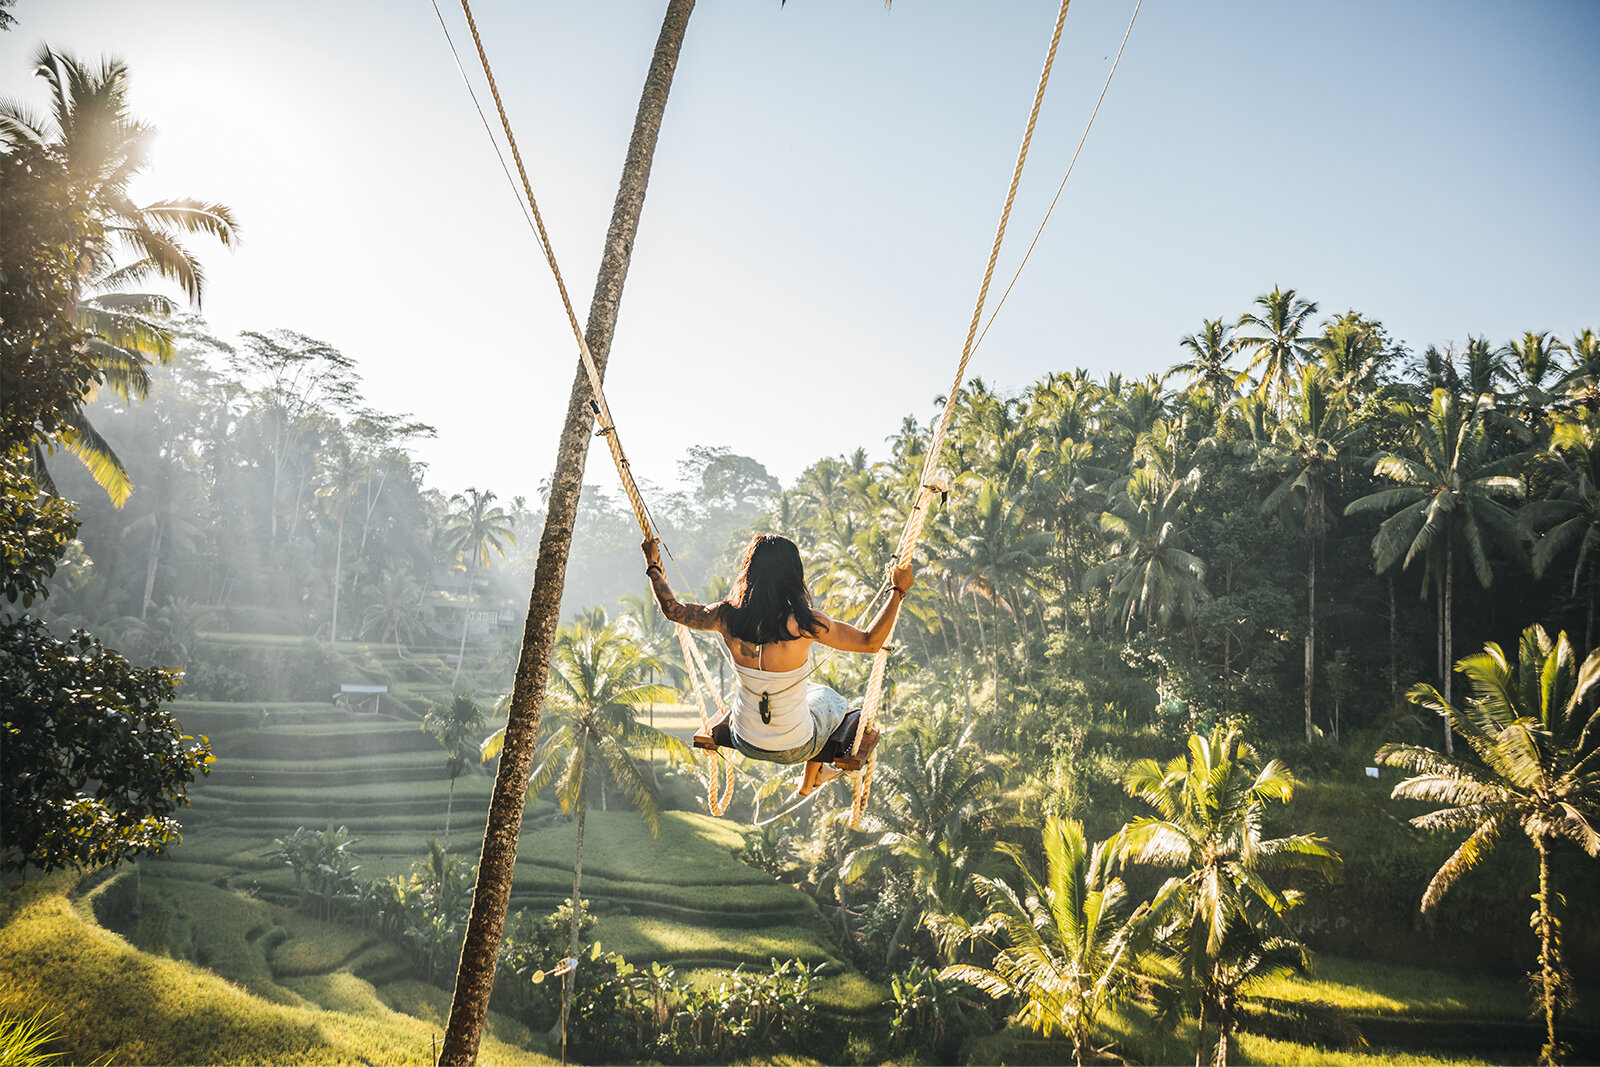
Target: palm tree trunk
[[449, 802], [1200, 1040], [1311, 629], [577, 899], [961, 655], [1394, 641], [480, 949], [338, 580], [150, 571], [1549, 956], [1449, 639], [466, 616], [1588, 625]]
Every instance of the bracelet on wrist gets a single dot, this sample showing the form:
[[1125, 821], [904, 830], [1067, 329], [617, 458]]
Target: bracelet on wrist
[[897, 589], [653, 567]]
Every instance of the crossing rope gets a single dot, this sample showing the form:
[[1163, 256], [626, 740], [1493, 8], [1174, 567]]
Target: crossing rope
[[931, 482]]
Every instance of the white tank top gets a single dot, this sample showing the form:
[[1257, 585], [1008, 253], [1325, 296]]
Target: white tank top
[[791, 724]]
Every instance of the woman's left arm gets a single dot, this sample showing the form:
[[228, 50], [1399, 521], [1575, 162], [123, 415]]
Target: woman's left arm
[[694, 616]]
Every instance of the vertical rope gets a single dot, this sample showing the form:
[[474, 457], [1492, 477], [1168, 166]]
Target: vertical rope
[[928, 485], [602, 410]]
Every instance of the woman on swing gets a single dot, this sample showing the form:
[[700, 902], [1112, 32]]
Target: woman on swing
[[769, 625]]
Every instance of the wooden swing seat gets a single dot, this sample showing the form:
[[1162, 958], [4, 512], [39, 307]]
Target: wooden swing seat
[[836, 750]]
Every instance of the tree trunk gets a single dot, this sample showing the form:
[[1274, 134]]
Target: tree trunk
[[961, 655], [466, 616], [449, 802], [1549, 958], [1311, 629], [577, 899], [1394, 641], [338, 580], [481, 947], [150, 571], [1449, 639]]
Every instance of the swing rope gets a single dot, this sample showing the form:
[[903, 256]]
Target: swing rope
[[930, 482], [717, 797]]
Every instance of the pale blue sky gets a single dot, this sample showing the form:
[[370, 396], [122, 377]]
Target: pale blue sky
[[826, 188]]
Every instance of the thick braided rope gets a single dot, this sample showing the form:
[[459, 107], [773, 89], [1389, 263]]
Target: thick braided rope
[[602, 410], [717, 800], [700, 684], [929, 484]]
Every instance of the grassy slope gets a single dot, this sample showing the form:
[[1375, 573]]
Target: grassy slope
[[121, 1005]]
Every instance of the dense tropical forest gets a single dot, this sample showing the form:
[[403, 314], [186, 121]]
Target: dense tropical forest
[[1241, 712]]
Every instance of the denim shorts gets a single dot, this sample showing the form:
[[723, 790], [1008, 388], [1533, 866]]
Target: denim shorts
[[828, 710]]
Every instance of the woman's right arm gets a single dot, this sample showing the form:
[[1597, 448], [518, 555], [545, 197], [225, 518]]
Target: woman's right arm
[[694, 616]]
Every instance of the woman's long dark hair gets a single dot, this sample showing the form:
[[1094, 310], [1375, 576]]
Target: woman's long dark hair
[[770, 587]]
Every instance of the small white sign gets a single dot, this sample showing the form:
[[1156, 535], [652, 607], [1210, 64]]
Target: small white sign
[[1372, 772]]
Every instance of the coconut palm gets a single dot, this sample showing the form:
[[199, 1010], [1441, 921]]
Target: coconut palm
[[1570, 517], [934, 827], [1447, 499], [1149, 571], [1207, 366], [1581, 383], [995, 557], [1536, 356], [474, 530], [97, 149], [1281, 342], [1352, 353], [1065, 945], [453, 725], [598, 687], [1306, 453], [1540, 773], [1210, 807], [394, 612]]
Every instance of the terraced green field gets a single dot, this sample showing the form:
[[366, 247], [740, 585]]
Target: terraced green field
[[683, 897]]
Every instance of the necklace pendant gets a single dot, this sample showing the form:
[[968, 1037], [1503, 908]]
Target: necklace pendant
[[765, 707]]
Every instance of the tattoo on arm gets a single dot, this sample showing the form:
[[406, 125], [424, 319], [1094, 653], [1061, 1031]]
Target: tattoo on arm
[[694, 616]]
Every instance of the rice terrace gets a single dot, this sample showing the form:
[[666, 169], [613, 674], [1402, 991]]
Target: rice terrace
[[1081, 545]]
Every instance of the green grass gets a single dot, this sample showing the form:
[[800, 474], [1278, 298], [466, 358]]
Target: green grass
[[643, 939], [693, 850], [126, 1006], [1365, 988]]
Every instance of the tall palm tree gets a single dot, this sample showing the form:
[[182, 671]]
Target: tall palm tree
[[1581, 382], [1207, 368], [1210, 805], [1570, 517], [341, 474], [1150, 573], [1068, 941], [1306, 453], [99, 149], [394, 612], [598, 687], [1353, 352], [453, 725], [1281, 343], [1447, 499], [1536, 356], [995, 557], [472, 532], [1540, 773], [934, 827]]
